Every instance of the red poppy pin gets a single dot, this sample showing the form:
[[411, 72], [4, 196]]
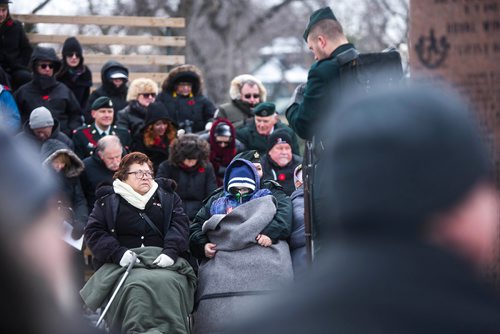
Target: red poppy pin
[[45, 97], [9, 23], [282, 177], [191, 102], [201, 169]]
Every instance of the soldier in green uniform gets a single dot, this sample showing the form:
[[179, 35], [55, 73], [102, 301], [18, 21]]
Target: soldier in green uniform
[[85, 138], [254, 135], [325, 38]]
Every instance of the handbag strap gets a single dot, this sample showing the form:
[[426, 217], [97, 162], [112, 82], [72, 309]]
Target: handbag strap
[[150, 223]]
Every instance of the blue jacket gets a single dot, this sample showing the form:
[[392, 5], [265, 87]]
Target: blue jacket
[[9, 114]]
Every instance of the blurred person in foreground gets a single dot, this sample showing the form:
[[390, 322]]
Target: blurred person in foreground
[[38, 291], [412, 222]]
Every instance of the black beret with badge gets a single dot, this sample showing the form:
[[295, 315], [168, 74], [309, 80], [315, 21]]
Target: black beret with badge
[[251, 155], [264, 109], [102, 102], [324, 13]]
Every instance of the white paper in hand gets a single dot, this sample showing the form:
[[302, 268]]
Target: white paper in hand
[[67, 229]]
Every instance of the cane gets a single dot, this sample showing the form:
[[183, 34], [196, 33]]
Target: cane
[[122, 280]]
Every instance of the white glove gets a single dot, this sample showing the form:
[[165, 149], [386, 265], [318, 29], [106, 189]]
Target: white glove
[[180, 132], [208, 126], [163, 261], [127, 258]]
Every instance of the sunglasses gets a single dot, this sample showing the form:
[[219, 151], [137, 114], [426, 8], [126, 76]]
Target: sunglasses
[[255, 96], [44, 66], [73, 54], [148, 95]]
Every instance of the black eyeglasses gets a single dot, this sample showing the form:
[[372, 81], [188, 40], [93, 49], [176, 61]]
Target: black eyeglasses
[[255, 96], [44, 66], [148, 95], [142, 173]]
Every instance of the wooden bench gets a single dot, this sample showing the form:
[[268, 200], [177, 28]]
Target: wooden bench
[[153, 66]]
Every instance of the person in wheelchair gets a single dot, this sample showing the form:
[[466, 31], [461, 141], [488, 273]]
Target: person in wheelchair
[[140, 215]]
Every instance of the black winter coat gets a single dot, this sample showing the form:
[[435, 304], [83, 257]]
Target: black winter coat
[[132, 118], [198, 109], [282, 175], [94, 174], [15, 49], [78, 84], [193, 185], [279, 228], [56, 97], [115, 226]]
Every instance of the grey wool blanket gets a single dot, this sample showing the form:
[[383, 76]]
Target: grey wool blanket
[[243, 274], [152, 299]]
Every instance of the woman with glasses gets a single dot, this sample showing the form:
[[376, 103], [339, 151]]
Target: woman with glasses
[[45, 91], [157, 135], [189, 167], [141, 93], [74, 73], [182, 94], [140, 221]]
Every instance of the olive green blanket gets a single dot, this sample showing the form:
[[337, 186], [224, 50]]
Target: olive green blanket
[[152, 299]]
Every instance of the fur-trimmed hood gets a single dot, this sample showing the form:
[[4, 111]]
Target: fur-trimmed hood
[[190, 73], [52, 148], [189, 146], [237, 82]]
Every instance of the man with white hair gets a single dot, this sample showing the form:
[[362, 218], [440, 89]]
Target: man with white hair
[[101, 166]]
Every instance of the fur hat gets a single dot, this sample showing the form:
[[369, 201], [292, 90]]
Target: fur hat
[[41, 117], [71, 45], [240, 80], [141, 85], [241, 175]]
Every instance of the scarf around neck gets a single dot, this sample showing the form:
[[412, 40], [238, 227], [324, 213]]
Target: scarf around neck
[[131, 196]]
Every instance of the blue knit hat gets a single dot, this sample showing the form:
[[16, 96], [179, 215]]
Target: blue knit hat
[[241, 175]]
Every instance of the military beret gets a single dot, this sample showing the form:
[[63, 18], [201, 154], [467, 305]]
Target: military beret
[[102, 102], [324, 13], [251, 155], [264, 109]]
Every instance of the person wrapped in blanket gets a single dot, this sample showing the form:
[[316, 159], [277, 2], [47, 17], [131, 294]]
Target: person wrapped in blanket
[[143, 216], [242, 265]]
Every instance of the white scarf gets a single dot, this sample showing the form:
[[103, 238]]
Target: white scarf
[[130, 195]]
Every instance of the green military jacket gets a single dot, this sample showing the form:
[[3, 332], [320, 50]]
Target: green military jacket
[[252, 140], [85, 139], [322, 91]]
